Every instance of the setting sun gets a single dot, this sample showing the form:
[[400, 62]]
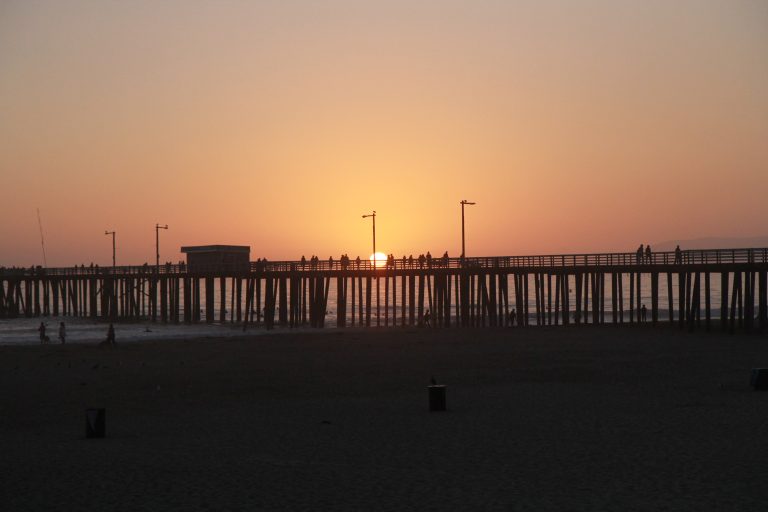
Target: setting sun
[[379, 259]]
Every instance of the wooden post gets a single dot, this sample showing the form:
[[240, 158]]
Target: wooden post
[[707, 302], [724, 277], [614, 304], [209, 303], [368, 305], [525, 299], [654, 298], [694, 302], [352, 305], [670, 299], [578, 279], [587, 280], [394, 300], [620, 279], [403, 286], [602, 297], [763, 298], [386, 299], [681, 285], [736, 284], [549, 299], [638, 290], [282, 284], [269, 304], [632, 298], [740, 301], [239, 299], [222, 299]]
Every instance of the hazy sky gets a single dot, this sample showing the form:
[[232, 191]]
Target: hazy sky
[[583, 125]]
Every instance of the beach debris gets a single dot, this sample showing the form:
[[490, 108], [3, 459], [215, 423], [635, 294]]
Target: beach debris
[[436, 397], [95, 367], [95, 423], [759, 379], [325, 422]]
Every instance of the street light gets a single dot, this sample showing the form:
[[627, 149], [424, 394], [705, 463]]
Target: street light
[[373, 215], [463, 202], [158, 227], [113, 246]]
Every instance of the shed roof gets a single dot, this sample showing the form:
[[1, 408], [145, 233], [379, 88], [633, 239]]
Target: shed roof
[[216, 248]]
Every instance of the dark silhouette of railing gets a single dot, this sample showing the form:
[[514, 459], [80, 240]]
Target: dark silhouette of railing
[[553, 261]]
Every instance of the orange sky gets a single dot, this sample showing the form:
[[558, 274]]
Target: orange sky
[[575, 126]]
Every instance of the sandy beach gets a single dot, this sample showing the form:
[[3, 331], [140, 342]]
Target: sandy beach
[[540, 419]]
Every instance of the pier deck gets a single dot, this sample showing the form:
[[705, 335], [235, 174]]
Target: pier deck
[[563, 289]]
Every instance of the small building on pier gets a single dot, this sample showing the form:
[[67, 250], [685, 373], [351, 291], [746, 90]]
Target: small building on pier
[[214, 258]]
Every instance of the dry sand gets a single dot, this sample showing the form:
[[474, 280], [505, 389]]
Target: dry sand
[[541, 419]]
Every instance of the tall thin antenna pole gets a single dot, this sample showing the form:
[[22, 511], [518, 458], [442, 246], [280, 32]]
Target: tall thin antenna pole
[[42, 240]]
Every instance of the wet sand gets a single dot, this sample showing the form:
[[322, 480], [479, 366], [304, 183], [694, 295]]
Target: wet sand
[[542, 419]]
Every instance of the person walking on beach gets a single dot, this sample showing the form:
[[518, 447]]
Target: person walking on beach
[[427, 316], [643, 313], [41, 330], [512, 315], [111, 335], [62, 333]]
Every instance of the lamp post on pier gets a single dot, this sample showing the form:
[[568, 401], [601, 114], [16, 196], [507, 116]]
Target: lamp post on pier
[[463, 251], [158, 227], [378, 311], [373, 216], [113, 247]]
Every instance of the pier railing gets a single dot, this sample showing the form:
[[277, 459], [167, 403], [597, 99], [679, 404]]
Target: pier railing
[[555, 261]]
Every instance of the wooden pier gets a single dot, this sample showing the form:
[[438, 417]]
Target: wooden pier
[[567, 289]]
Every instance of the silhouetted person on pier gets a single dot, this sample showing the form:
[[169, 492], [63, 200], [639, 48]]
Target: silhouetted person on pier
[[303, 261], [445, 259], [643, 313], [41, 330], [639, 255], [429, 260], [110, 336], [648, 257], [410, 261], [62, 333], [678, 255], [427, 317], [357, 262]]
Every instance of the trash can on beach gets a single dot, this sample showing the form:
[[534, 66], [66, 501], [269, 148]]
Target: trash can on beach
[[436, 397], [759, 379], [95, 423]]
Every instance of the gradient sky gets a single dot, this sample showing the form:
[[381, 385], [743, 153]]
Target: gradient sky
[[576, 126]]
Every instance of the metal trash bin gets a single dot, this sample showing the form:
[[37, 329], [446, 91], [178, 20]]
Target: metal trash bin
[[436, 397], [95, 423], [759, 379]]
